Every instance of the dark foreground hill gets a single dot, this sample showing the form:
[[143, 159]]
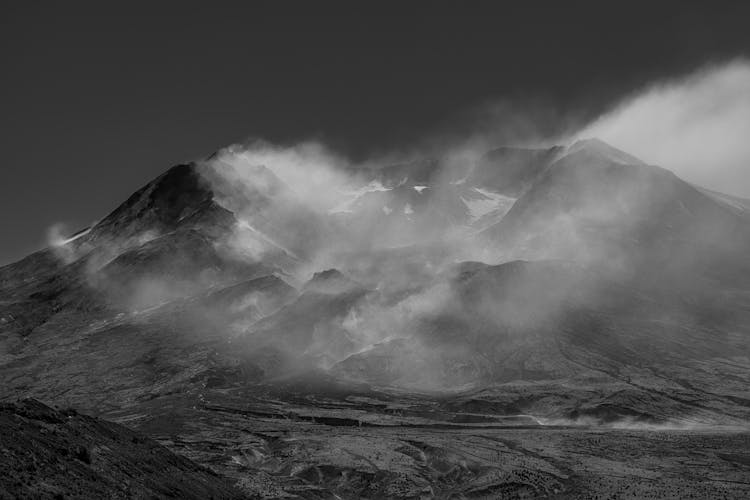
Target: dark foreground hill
[[46, 453]]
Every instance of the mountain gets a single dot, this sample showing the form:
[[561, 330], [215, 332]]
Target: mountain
[[212, 251], [226, 305]]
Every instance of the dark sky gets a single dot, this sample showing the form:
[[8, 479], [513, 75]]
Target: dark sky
[[97, 99]]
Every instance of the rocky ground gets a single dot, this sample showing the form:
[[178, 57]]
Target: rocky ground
[[355, 444]]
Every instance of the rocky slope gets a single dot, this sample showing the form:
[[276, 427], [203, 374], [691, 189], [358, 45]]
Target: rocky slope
[[46, 453]]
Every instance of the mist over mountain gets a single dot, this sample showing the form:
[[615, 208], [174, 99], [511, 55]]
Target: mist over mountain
[[569, 284]]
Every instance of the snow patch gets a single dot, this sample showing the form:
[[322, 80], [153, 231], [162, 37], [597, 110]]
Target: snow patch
[[489, 202], [350, 197]]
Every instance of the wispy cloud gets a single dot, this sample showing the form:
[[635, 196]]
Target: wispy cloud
[[697, 126]]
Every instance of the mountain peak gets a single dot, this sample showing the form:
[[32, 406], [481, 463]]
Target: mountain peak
[[597, 147]]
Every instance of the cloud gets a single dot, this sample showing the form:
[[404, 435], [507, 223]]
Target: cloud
[[697, 126], [322, 210], [314, 174], [59, 239]]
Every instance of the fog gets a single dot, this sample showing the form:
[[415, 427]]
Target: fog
[[320, 210]]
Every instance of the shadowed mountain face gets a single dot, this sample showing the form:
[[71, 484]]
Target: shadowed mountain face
[[569, 284], [180, 198]]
